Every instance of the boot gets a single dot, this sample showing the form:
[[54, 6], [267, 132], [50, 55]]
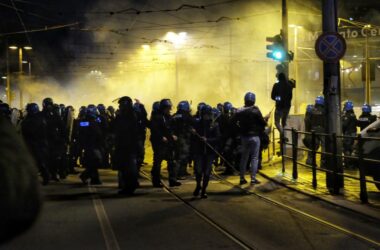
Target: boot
[[197, 190]]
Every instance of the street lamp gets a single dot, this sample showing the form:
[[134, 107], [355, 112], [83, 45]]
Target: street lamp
[[177, 40], [296, 28], [20, 62]]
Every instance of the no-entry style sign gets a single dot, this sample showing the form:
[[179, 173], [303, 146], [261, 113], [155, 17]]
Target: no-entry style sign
[[330, 47]]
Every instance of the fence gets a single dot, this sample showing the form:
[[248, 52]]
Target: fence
[[336, 157]]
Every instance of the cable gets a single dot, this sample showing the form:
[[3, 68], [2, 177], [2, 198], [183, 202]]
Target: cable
[[41, 29], [135, 11]]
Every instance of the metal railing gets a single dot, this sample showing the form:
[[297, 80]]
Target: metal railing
[[336, 157]]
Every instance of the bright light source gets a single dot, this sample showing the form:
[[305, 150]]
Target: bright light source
[[176, 39], [295, 26], [25, 62], [13, 47], [28, 48], [182, 35], [354, 56], [356, 69], [351, 19], [278, 55], [146, 46], [4, 77]]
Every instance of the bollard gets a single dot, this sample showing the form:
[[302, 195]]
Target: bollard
[[295, 153], [314, 158], [334, 161], [363, 183], [282, 145]]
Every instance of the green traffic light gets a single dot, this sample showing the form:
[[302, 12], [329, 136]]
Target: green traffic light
[[278, 55]]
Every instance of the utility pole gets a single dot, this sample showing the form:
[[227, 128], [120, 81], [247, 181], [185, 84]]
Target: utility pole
[[331, 91], [9, 97], [20, 77], [284, 32], [296, 69], [367, 68]]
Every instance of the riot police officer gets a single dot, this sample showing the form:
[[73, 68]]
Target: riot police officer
[[33, 129], [125, 130], [366, 118], [318, 124], [56, 137], [91, 139], [142, 121], [163, 141], [206, 134], [349, 123], [307, 140], [181, 124], [5, 111], [228, 143]]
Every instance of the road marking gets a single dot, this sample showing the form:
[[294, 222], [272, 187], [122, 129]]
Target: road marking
[[105, 224]]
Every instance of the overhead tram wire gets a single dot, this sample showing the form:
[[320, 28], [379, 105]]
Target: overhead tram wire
[[134, 11], [41, 29], [25, 12]]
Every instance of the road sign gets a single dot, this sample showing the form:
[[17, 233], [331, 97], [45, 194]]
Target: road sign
[[330, 47]]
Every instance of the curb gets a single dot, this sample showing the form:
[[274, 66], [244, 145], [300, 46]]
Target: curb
[[319, 198]]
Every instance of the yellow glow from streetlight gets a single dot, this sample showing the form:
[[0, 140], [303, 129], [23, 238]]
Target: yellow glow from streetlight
[[13, 47], [146, 46], [28, 48], [295, 26], [176, 39]]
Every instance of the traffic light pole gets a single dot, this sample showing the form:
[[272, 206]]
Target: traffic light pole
[[284, 32], [331, 91]]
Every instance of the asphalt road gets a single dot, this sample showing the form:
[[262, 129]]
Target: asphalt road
[[80, 217]]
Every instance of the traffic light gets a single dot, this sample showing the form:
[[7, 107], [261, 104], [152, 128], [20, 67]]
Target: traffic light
[[276, 50]]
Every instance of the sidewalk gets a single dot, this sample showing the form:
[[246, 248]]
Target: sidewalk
[[350, 198]]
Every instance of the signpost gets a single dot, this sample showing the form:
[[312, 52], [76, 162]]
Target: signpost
[[331, 47]]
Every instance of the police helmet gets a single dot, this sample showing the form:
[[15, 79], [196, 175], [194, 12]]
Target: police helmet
[[367, 108], [32, 108], [111, 109], [101, 108], [250, 97], [92, 110], [165, 103], [320, 100], [227, 107], [200, 106], [156, 106], [47, 102], [4, 109], [125, 100], [348, 106], [183, 106], [206, 110], [216, 112], [309, 108]]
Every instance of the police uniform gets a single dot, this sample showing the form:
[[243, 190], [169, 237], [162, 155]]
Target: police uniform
[[182, 123], [163, 144], [33, 129], [206, 131]]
